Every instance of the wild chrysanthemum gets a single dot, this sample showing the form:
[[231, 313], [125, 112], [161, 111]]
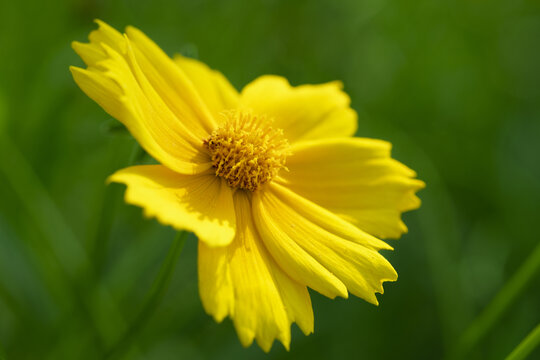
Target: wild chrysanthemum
[[270, 179]]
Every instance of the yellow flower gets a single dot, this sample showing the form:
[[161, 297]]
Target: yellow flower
[[270, 179]]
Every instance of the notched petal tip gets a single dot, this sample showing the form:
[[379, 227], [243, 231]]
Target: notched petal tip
[[245, 335], [380, 290], [76, 44], [340, 85], [420, 184], [132, 30], [73, 68], [102, 25], [358, 180], [243, 281]]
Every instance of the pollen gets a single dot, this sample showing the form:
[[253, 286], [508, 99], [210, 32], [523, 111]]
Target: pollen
[[246, 150]]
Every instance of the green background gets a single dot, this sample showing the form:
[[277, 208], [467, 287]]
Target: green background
[[454, 85]]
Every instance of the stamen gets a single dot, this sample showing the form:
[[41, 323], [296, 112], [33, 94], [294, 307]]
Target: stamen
[[246, 151]]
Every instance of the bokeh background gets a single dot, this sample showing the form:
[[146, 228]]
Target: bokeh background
[[454, 85]]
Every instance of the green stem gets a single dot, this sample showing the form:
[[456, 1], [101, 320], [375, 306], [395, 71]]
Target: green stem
[[526, 346], [491, 314], [153, 298], [106, 215], [137, 153]]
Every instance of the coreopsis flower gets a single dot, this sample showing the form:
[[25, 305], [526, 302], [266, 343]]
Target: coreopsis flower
[[280, 194]]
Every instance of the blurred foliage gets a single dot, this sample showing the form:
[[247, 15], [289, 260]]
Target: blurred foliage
[[454, 85]]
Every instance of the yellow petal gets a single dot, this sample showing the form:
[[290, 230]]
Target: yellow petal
[[242, 281], [357, 179], [303, 112], [216, 91], [136, 83], [171, 83], [108, 35], [215, 284], [295, 298], [291, 257], [327, 220], [202, 203], [89, 53], [281, 220], [93, 52]]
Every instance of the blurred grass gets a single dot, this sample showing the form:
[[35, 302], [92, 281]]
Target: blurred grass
[[453, 85], [512, 289], [527, 346], [153, 299]]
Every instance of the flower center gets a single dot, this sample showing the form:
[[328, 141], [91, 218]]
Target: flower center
[[246, 151]]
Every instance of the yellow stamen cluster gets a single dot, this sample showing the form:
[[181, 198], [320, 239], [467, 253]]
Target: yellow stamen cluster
[[246, 151]]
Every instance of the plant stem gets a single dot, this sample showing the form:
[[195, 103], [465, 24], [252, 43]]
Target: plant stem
[[110, 201], [153, 298], [526, 346], [491, 314]]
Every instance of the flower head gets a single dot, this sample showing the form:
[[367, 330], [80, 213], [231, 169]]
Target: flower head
[[246, 151], [279, 193]]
